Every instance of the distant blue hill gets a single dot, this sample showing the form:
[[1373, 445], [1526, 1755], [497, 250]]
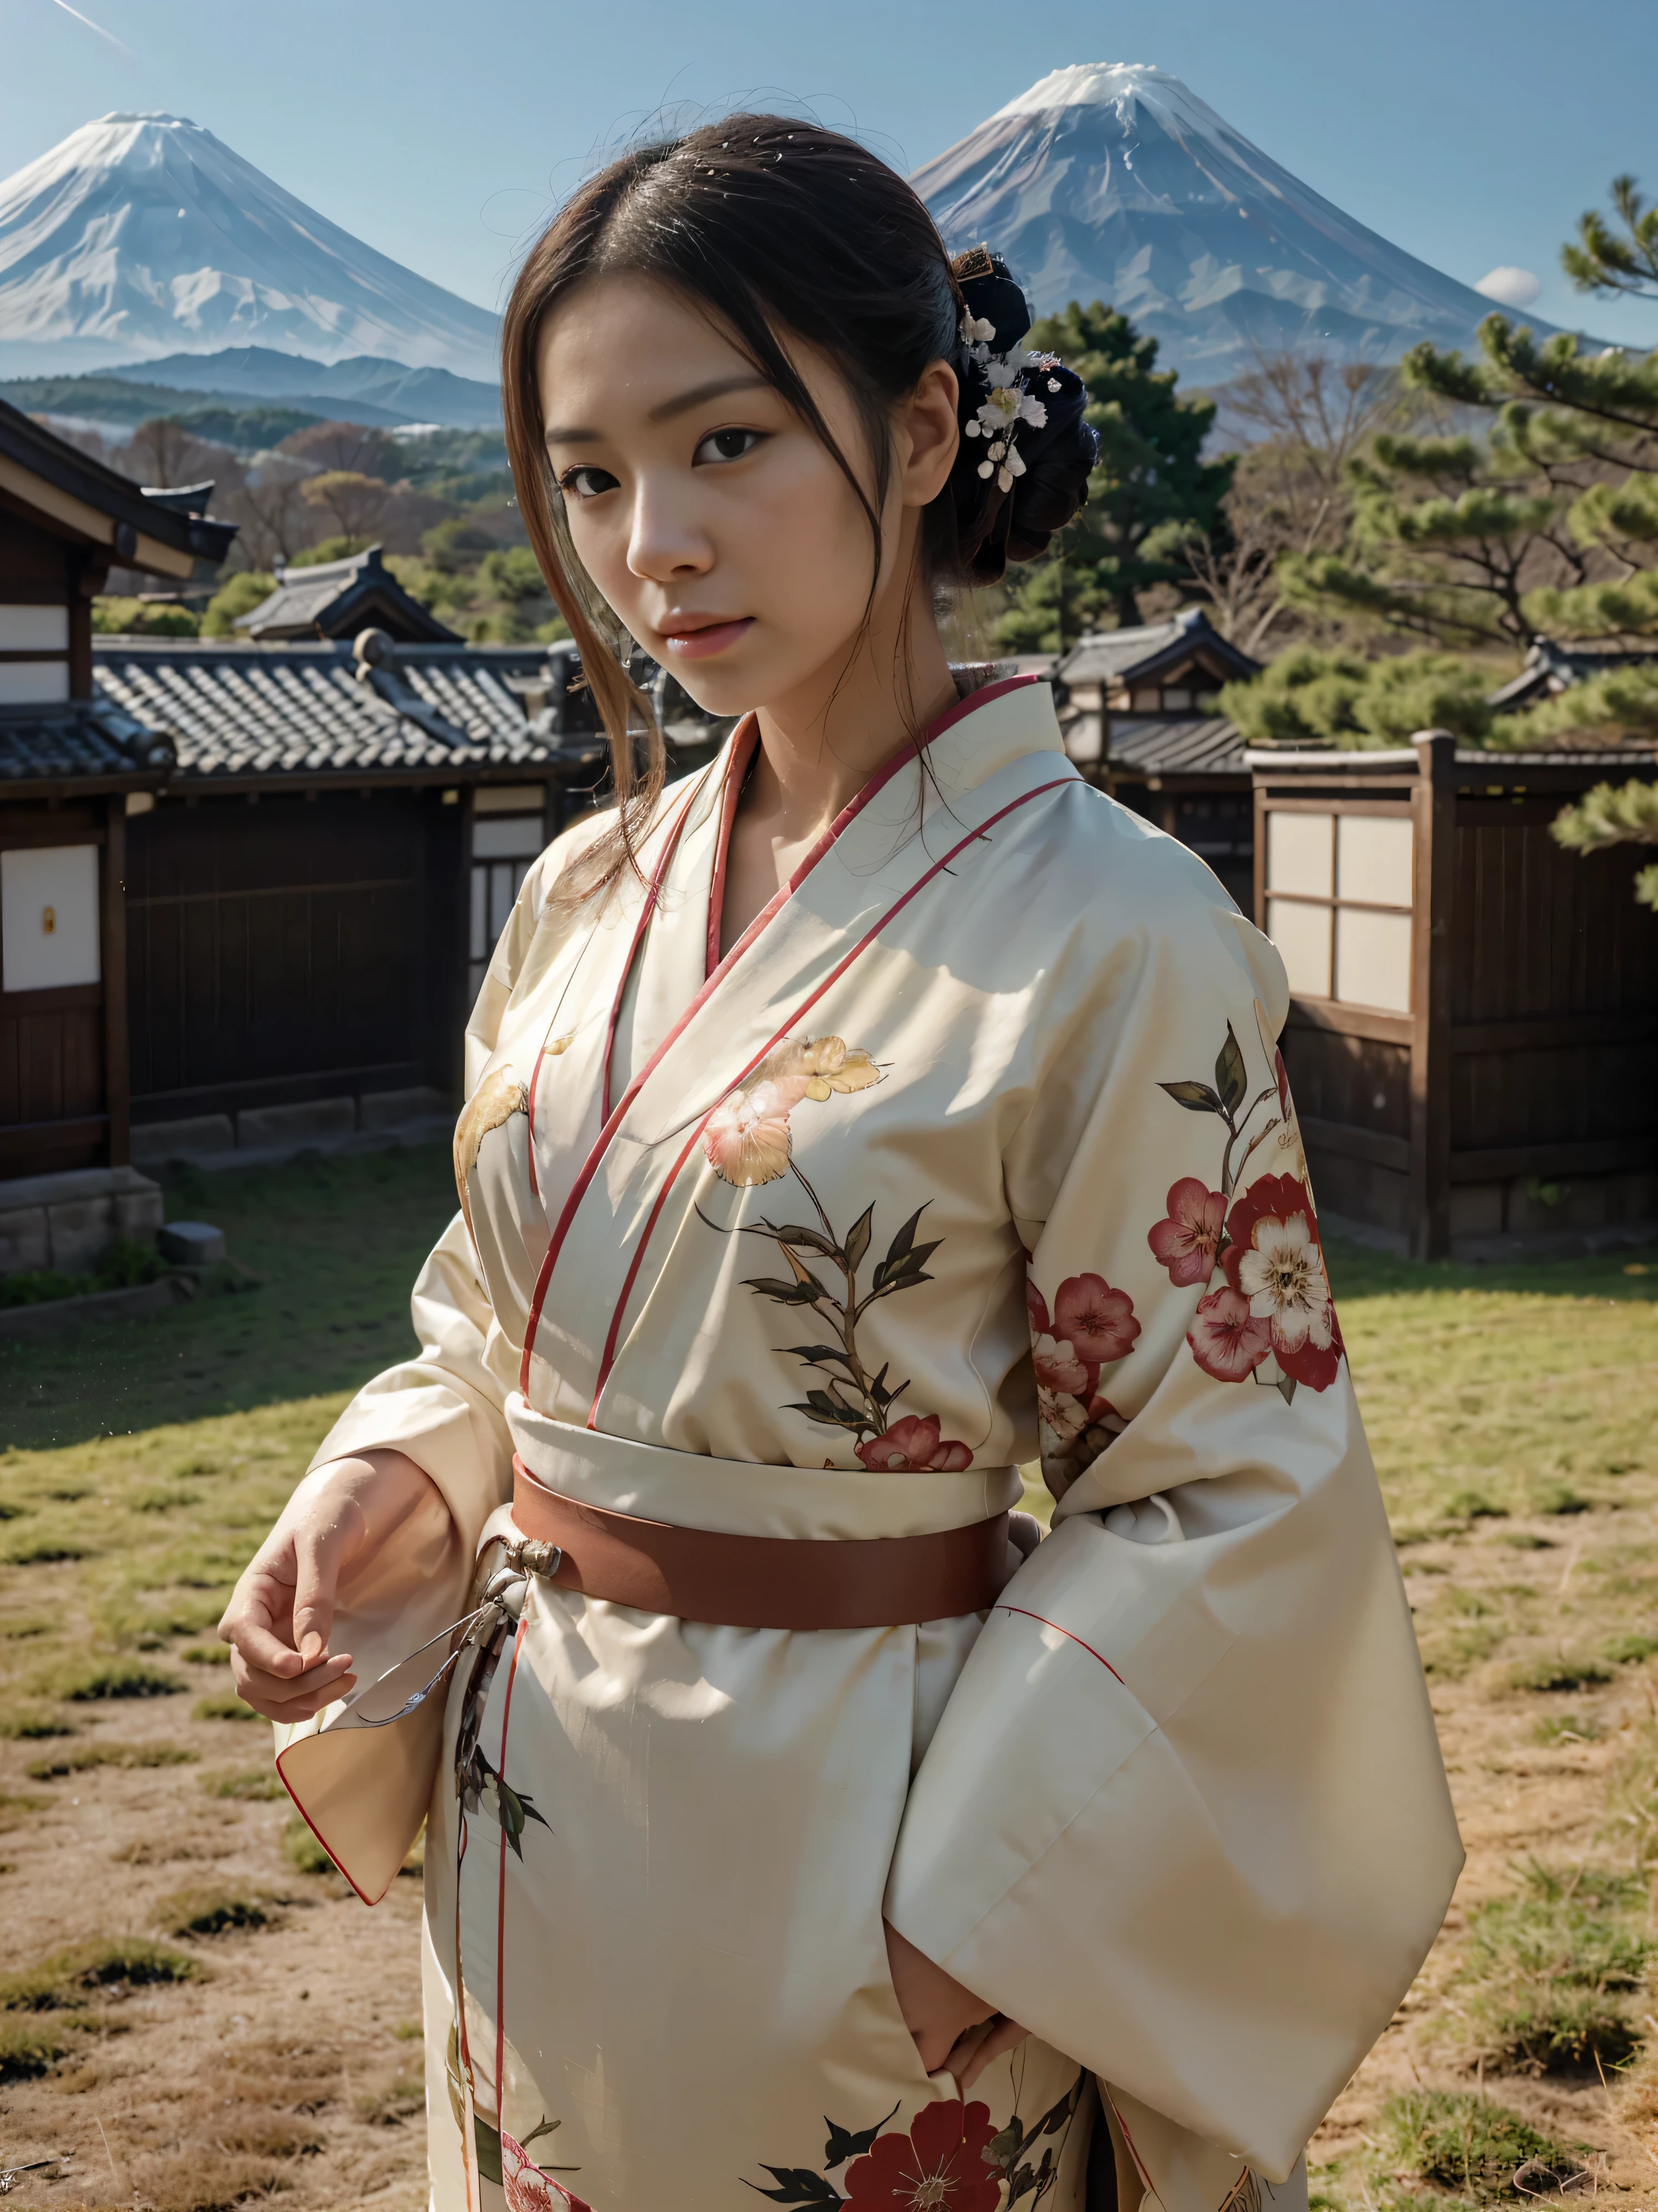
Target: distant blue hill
[[393, 392]]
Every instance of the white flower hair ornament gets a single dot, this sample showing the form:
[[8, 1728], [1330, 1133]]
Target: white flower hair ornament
[[1013, 376]]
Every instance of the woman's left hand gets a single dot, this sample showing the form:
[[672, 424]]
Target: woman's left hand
[[954, 2030]]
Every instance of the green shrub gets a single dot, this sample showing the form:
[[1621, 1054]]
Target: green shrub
[[1553, 1976], [110, 1678], [1464, 2142], [253, 1785], [27, 2051], [211, 1911], [64, 1979], [1561, 1674], [303, 1850], [110, 1754], [225, 1705]]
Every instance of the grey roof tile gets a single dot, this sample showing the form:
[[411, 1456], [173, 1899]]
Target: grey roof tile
[[241, 709]]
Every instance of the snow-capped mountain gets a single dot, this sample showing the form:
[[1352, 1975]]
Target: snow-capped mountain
[[1113, 181], [144, 235]]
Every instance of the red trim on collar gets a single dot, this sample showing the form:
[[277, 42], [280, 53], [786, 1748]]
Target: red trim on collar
[[647, 910], [744, 738], [834, 977], [767, 914]]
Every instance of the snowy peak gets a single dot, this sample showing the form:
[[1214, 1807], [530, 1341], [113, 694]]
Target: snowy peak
[[142, 235], [1114, 181]]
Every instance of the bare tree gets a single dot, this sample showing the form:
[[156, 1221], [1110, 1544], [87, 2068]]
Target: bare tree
[[351, 447], [1290, 493], [353, 503]]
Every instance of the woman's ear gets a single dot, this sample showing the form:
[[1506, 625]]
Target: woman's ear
[[930, 435]]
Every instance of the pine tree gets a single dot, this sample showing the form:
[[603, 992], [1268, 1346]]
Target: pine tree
[[1151, 490], [1447, 537]]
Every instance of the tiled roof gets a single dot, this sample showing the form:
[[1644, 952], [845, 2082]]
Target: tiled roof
[[1208, 746], [1120, 655], [90, 737], [338, 598], [1552, 668], [235, 709]]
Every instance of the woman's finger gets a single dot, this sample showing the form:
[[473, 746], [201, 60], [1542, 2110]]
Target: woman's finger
[[1001, 2035], [258, 1686], [317, 1567]]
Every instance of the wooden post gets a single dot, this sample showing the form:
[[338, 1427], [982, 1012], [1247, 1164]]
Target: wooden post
[[1257, 798], [118, 1068], [1433, 815]]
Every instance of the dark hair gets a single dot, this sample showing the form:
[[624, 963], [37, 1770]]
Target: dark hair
[[781, 227]]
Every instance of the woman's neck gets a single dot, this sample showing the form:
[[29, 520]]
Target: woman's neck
[[821, 745]]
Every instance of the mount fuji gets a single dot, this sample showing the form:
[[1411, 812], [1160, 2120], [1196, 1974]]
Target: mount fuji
[[140, 236], [1113, 181]]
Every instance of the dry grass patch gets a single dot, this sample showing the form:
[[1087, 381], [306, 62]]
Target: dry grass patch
[[212, 1911], [65, 1979], [88, 1755], [248, 1785]]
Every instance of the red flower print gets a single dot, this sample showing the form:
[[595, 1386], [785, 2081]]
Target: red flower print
[[1036, 1306], [1186, 1243], [1096, 1322], [526, 2188], [1276, 1262], [938, 2166], [1227, 1341], [913, 1442]]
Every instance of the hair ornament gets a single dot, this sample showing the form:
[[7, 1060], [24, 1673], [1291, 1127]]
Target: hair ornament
[[995, 316]]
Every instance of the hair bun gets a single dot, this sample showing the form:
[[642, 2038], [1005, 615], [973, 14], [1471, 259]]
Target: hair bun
[[990, 295], [1026, 451]]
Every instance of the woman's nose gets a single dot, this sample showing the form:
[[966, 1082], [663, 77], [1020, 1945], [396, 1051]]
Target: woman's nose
[[665, 542]]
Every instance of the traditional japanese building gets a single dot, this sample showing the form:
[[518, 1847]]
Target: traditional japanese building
[[340, 599], [1473, 1020]]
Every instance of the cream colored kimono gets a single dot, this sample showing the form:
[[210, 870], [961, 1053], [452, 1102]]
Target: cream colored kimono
[[980, 1127]]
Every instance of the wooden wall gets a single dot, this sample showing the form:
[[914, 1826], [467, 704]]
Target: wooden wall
[[291, 950], [56, 1107], [1516, 1095]]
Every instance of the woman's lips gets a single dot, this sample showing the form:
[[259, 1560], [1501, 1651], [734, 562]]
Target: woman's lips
[[703, 644]]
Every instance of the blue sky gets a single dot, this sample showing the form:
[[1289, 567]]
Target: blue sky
[[1470, 132]]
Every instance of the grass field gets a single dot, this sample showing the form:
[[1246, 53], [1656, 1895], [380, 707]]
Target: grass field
[[201, 2019]]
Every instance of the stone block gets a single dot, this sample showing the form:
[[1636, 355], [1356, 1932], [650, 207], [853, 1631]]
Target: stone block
[[322, 1122], [138, 1214], [155, 1142], [191, 1244], [80, 1231], [397, 1109], [24, 1247]]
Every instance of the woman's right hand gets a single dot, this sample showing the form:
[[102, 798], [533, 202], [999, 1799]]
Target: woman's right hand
[[281, 1613]]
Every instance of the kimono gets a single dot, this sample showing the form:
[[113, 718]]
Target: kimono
[[976, 1147]]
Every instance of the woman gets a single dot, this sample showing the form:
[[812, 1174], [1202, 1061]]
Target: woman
[[843, 1122]]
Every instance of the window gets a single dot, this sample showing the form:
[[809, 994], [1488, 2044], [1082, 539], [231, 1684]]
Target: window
[[49, 917], [1338, 905], [503, 846]]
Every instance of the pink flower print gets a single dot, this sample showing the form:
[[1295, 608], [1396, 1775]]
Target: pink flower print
[[1096, 1322], [1227, 1340], [1058, 1367], [1036, 1306], [1188, 1240], [747, 1137], [912, 1444], [527, 2189]]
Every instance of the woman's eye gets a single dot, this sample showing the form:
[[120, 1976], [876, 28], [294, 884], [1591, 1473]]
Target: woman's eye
[[726, 446], [586, 482]]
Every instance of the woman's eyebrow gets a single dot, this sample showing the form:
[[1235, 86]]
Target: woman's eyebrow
[[560, 435]]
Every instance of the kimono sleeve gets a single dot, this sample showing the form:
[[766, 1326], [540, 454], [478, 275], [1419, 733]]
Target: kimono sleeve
[[1184, 1816]]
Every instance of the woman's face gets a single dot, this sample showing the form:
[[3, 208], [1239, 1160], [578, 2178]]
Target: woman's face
[[716, 525]]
